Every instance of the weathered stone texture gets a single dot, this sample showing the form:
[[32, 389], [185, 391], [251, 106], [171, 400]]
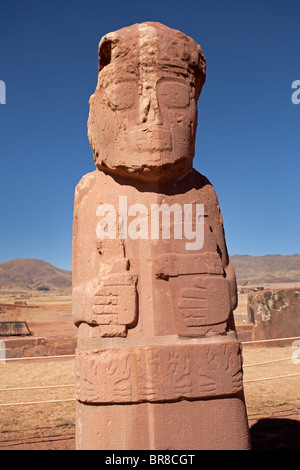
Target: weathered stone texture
[[158, 364], [275, 313], [158, 373], [183, 425]]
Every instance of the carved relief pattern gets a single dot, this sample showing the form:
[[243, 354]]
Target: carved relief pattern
[[206, 302], [115, 301], [135, 375]]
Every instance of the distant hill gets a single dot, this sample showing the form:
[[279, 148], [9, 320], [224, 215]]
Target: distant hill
[[23, 275], [28, 275], [266, 269]]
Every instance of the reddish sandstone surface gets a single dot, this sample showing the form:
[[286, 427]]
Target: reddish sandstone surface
[[157, 346]]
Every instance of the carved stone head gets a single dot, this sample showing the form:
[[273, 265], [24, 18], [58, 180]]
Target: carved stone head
[[143, 114]]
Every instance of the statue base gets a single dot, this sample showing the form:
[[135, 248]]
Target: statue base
[[160, 393]]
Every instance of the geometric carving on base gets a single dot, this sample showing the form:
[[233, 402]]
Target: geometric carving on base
[[158, 373]]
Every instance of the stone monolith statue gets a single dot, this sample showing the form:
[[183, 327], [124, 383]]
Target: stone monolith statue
[[158, 364]]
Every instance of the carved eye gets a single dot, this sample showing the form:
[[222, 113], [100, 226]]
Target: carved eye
[[105, 54], [173, 94], [122, 95]]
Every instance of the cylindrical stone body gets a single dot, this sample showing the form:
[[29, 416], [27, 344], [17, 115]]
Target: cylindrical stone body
[[158, 364]]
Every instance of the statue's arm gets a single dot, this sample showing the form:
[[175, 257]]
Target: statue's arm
[[104, 286]]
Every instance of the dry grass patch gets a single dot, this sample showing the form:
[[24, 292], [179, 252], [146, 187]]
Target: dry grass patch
[[260, 396], [284, 391], [21, 374]]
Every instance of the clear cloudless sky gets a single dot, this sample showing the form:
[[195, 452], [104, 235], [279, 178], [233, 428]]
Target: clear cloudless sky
[[248, 137]]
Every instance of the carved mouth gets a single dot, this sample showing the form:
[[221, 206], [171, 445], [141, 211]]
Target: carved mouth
[[151, 140]]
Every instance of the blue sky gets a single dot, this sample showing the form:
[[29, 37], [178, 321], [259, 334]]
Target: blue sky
[[248, 141]]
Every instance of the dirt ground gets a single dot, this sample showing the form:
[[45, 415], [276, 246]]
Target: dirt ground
[[273, 405], [46, 315]]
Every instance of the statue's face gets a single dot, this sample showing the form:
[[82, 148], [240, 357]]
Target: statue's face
[[143, 118]]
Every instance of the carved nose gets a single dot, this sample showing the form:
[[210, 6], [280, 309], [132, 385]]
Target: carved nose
[[145, 107], [150, 112]]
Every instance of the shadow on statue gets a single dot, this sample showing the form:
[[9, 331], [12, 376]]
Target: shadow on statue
[[275, 434]]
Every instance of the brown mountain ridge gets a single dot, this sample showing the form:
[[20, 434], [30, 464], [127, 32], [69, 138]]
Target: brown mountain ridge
[[24, 275], [266, 269]]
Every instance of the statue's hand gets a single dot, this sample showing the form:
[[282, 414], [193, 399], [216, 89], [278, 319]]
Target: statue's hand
[[114, 304], [115, 301]]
